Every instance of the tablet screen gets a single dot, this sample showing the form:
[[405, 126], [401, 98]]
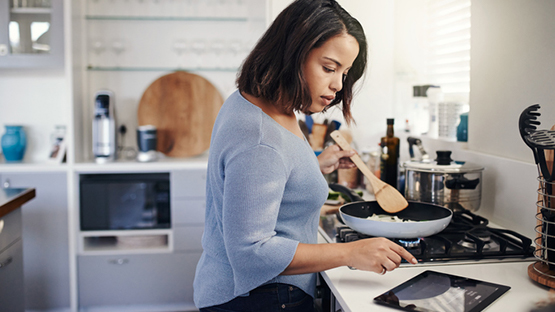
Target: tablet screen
[[432, 291]]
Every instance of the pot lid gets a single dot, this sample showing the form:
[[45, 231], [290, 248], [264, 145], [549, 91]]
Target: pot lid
[[443, 163]]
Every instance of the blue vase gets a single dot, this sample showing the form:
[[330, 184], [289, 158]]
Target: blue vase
[[462, 128], [14, 142]]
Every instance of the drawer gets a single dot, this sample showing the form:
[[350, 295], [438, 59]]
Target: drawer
[[188, 183], [188, 238], [152, 279], [10, 228], [188, 211], [11, 278]]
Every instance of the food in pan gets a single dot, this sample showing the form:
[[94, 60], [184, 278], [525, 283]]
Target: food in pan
[[387, 218]]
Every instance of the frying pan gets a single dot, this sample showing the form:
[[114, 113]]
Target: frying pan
[[431, 219]]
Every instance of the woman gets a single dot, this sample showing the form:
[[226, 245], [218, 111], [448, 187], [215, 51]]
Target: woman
[[265, 187]]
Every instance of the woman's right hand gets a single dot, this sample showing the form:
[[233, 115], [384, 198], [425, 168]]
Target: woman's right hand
[[377, 254]]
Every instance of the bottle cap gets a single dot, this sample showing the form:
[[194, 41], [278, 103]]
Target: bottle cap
[[390, 121]]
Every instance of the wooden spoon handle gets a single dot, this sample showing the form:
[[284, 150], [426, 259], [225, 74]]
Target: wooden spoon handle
[[340, 140]]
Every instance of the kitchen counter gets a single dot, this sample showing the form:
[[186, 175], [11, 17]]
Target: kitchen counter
[[355, 290], [13, 198]]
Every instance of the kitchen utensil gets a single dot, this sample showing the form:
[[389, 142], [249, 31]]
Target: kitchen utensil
[[537, 140], [331, 128], [183, 107], [304, 129], [318, 136], [309, 122], [423, 154], [104, 127], [453, 184], [431, 219], [387, 196], [147, 141]]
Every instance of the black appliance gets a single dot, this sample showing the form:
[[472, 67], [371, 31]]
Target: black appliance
[[124, 201], [467, 237]]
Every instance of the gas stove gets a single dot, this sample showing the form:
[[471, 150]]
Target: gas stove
[[468, 237]]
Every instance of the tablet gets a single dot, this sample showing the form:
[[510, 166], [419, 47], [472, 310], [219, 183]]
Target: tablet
[[432, 291]]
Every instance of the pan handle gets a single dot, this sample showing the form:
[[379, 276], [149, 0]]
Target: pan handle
[[345, 190]]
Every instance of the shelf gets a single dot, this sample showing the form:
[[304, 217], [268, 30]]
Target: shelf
[[159, 69], [165, 18], [125, 242], [163, 164], [31, 11], [32, 167]]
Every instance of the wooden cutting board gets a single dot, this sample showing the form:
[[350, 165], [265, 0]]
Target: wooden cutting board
[[183, 107]]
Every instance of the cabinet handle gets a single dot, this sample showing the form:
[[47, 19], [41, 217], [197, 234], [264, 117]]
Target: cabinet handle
[[5, 263], [3, 50], [7, 183], [120, 261]]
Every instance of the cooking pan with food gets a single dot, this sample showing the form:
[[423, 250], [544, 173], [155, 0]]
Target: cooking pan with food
[[416, 221]]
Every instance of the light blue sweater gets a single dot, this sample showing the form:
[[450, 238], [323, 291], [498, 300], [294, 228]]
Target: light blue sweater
[[264, 193]]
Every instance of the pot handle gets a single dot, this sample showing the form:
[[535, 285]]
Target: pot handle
[[459, 182], [345, 190]]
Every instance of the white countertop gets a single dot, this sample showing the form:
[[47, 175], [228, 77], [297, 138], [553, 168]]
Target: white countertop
[[355, 290]]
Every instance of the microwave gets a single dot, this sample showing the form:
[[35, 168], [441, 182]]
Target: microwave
[[124, 201]]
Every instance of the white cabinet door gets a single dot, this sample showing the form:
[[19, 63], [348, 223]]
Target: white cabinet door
[[31, 35], [156, 279], [11, 278], [45, 239]]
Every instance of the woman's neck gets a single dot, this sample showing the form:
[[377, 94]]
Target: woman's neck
[[286, 120]]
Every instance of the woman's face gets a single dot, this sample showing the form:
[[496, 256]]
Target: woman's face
[[325, 68]]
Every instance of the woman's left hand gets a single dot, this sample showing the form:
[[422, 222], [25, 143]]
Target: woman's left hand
[[333, 157]]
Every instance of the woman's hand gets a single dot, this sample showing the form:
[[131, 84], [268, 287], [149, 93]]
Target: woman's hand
[[377, 255], [333, 157]]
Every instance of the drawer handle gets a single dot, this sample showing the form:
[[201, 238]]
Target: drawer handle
[[6, 262], [120, 261]]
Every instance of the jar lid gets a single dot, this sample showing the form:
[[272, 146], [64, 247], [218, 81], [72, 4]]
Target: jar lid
[[443, 163]]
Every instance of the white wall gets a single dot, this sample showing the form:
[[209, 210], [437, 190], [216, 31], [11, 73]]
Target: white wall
[[38, 100], [512, 67]]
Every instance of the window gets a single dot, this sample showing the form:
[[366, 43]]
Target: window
[[448, 49]]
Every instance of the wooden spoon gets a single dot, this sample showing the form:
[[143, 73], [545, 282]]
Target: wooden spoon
[[387, 196]]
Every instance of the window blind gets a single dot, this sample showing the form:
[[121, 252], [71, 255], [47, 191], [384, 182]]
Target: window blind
[[448, 55]]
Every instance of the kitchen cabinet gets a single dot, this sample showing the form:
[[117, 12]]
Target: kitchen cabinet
[[11, 263], [111, 275], [31, 35], [147, 279], [45, 239]]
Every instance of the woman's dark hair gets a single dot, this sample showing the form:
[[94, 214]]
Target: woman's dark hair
[[273, 69]]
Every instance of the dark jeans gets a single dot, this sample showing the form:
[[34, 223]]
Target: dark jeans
[[268, 298]]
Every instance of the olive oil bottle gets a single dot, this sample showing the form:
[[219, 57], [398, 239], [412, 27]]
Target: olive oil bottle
[[389, 162]]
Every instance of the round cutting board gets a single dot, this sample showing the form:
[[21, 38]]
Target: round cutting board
[[183, 107]]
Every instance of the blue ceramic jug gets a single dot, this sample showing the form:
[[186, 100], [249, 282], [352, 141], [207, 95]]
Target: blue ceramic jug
[[14, 142]]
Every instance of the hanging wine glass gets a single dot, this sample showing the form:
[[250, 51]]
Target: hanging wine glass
[[180, 47], [217, 47], [118, 46], [198, 47]]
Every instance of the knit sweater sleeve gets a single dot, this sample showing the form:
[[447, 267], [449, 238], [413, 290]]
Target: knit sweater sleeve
[[254, 185]]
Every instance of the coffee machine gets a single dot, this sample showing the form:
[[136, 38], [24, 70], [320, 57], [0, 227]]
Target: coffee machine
[[104, 127]]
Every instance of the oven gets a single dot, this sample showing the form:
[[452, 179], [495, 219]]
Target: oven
[[124, 201]]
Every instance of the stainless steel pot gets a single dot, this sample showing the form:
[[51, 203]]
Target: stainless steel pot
[[453, 184]]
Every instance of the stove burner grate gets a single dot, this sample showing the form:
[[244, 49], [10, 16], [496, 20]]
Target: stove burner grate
[[467, 237]]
